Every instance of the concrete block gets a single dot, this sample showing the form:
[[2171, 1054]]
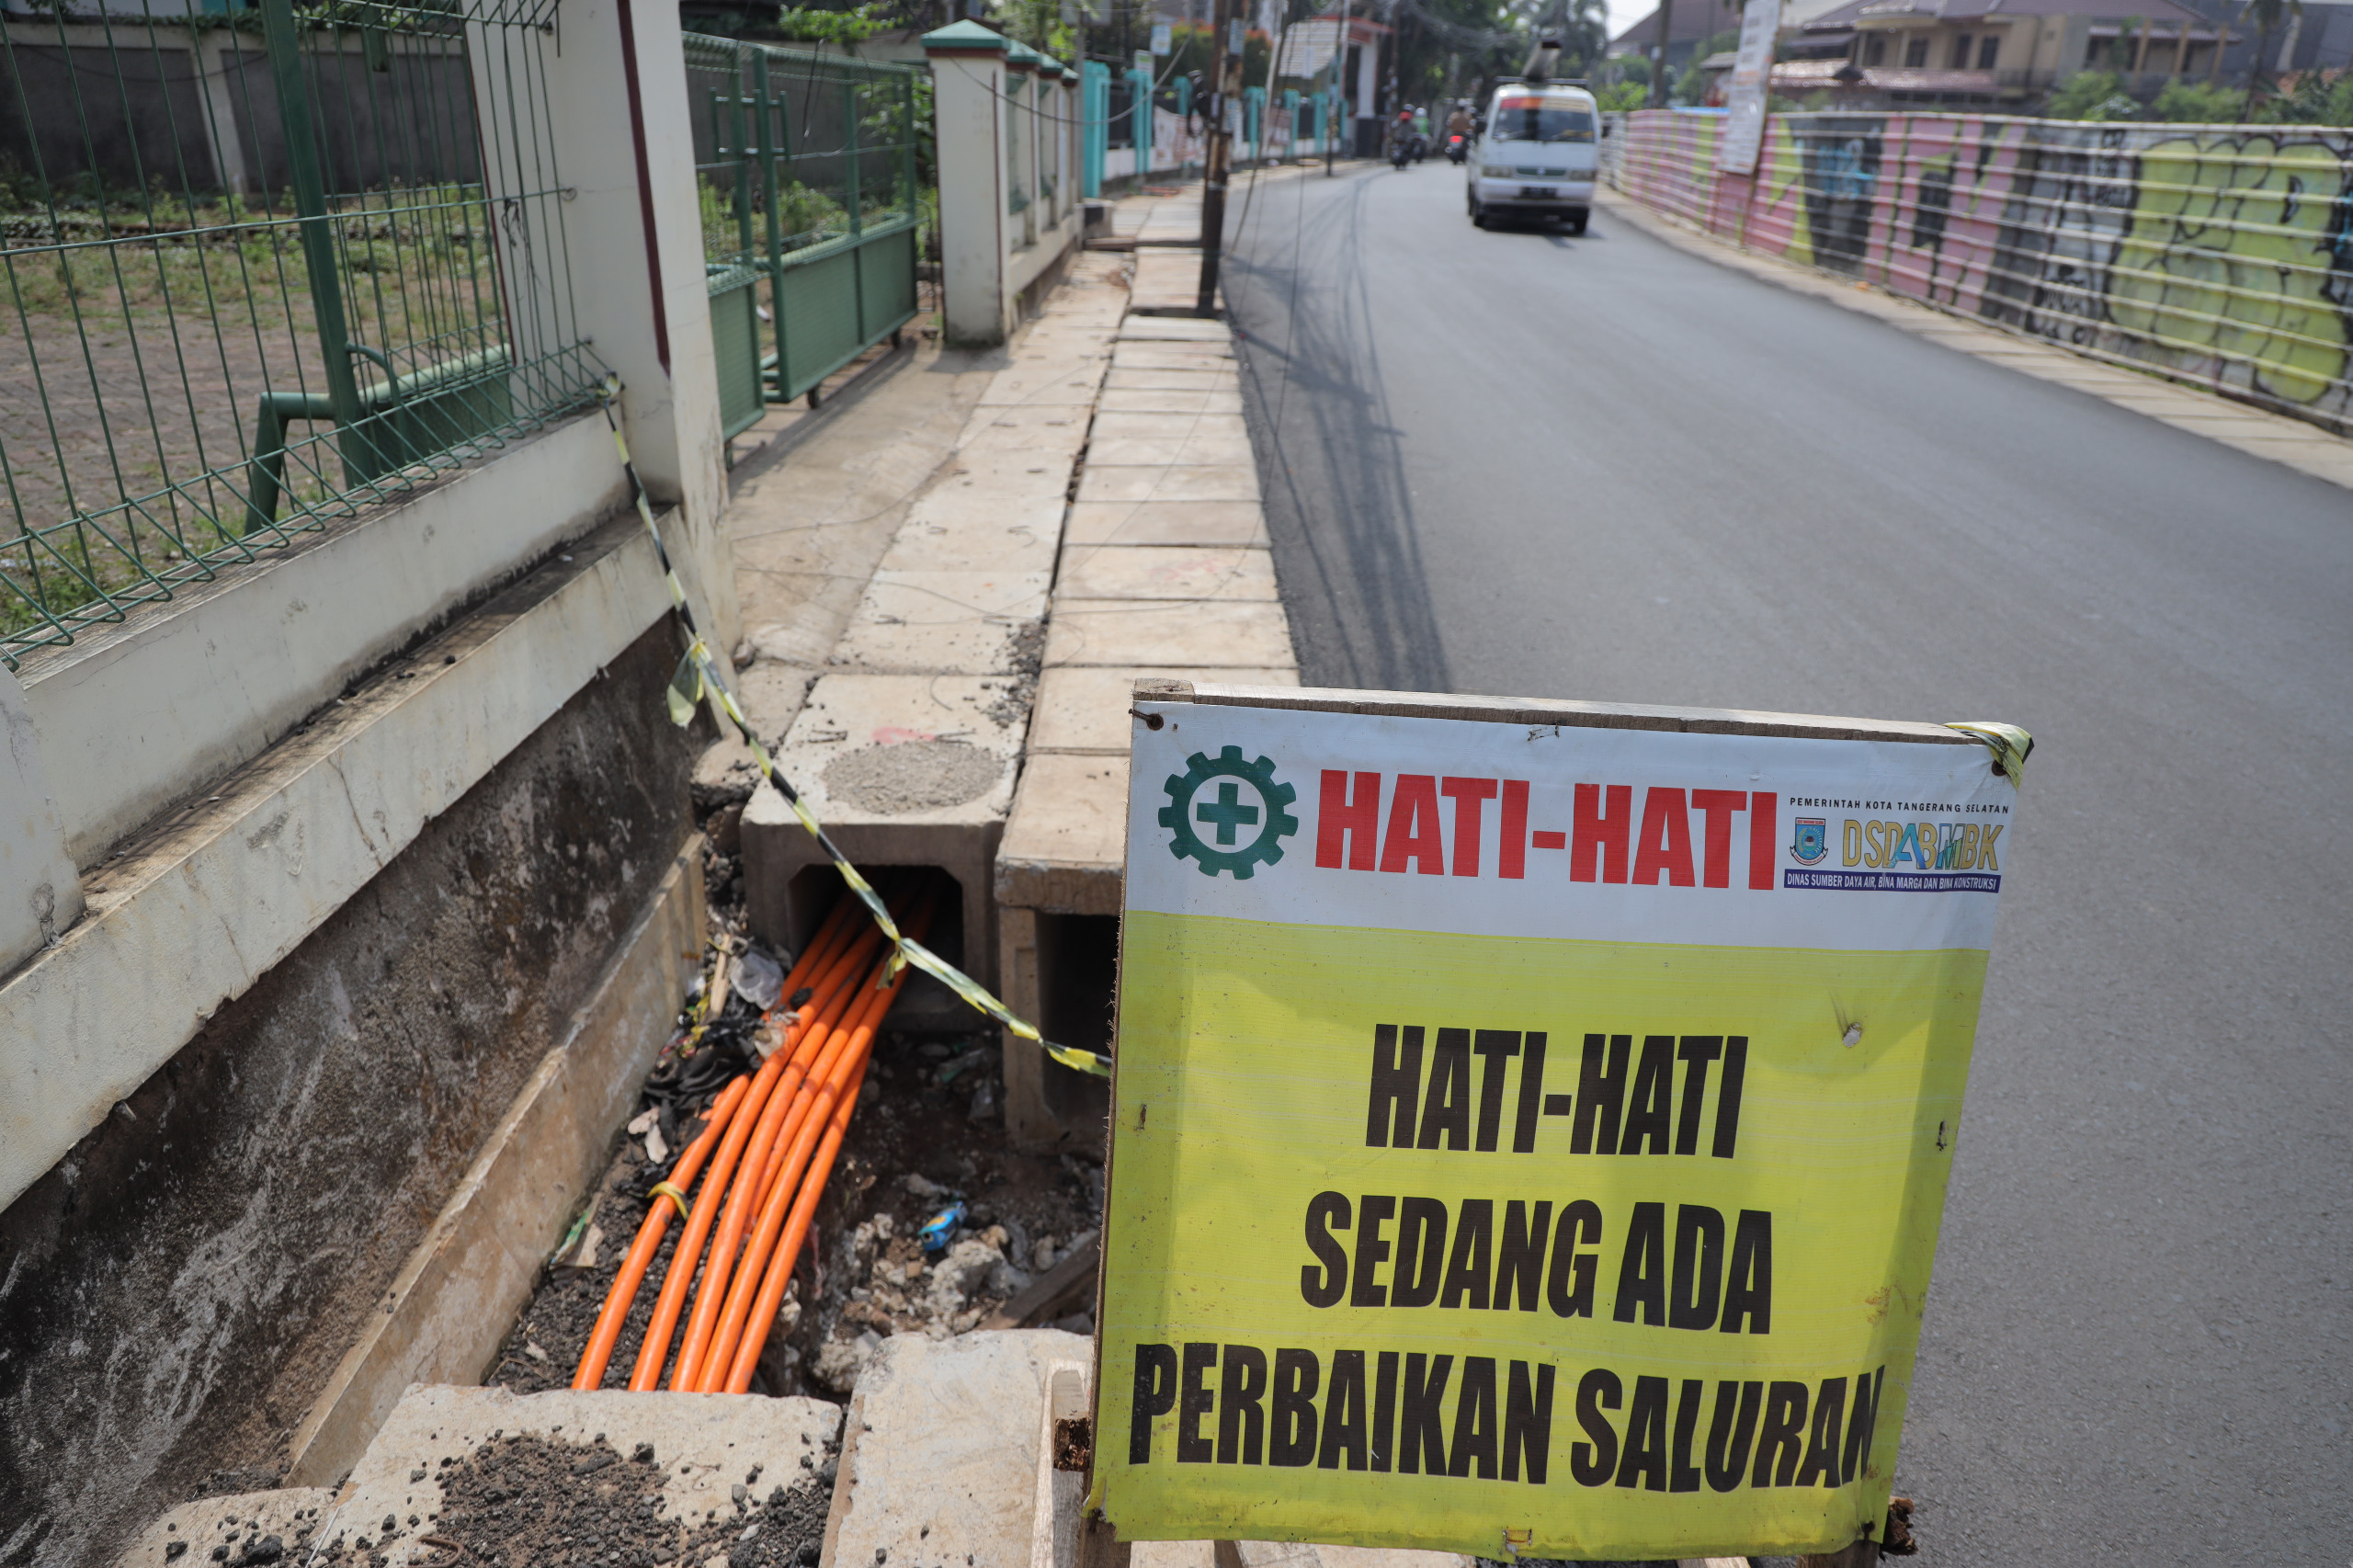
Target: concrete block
[[958, 623], [1066, 843], [1197, 451], [940, 1457], [903, 770], [1143, 399], [291, 1512], [1252, 634], [705, 1443], [457, 1292], [1166, 572], [1223, 481], [1082, 708]]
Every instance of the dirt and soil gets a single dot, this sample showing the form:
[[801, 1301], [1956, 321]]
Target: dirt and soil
[[521, 1500]]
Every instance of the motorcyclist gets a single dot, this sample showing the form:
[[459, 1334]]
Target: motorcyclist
[[1458, 122]]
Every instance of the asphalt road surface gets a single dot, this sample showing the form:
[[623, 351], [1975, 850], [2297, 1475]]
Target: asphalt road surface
[[1526, 464]]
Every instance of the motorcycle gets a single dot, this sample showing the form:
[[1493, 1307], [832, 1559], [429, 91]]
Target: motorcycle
[[1458, 147], [1407, 146]]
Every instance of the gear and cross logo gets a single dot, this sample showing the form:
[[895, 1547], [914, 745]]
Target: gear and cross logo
[[1227, 815]]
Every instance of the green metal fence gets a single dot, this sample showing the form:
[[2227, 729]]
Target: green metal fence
[[262, 272], [810, 211]]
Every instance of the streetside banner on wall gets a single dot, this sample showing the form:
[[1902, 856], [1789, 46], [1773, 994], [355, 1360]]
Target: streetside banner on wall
[[1745, 96], [1531, 1120]]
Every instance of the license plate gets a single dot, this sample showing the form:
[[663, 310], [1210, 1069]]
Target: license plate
[[1536, 192]]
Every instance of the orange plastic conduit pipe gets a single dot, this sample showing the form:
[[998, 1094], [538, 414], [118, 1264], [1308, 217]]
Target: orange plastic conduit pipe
[[809, 1112], [623, 1295], [744, 1197], [647, 1374], [796, 1231], [656, 1224], [845, 1058]]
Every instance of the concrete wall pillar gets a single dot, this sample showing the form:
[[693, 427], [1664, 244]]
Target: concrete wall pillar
[[968, 69], [40, 893], [628, 227]]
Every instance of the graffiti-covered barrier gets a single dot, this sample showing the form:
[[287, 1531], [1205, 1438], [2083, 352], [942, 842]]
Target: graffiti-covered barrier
[[2221, 255]]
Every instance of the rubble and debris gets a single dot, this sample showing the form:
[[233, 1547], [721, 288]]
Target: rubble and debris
[[925, 1138], [523, 1500]]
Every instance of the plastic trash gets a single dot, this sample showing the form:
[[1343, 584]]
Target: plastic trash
[[758, 978], [940, 1229]]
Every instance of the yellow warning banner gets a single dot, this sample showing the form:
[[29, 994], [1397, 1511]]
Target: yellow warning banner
[[1441, 1217]]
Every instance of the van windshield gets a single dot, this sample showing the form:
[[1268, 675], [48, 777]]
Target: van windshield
[[1524, 119]]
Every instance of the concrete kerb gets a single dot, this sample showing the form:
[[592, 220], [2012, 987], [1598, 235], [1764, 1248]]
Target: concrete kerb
[[2187, 407], [1165, 571], [909, 745]]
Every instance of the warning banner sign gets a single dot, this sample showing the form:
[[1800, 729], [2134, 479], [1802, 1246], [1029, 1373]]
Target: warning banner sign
[[1531, 1127]]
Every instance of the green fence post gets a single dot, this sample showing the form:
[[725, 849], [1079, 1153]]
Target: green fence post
[[772, 198], [857, 204], [318, 234]]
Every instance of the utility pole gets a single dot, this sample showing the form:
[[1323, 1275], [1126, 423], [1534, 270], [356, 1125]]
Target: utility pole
[[1332, 99], [1225, 70], [1658, 66]]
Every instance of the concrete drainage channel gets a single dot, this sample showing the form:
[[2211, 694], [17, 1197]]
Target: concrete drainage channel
[[1099, 521]]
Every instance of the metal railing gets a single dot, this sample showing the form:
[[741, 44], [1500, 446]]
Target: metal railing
[[2218, 255], [262, 272], [811, 211]]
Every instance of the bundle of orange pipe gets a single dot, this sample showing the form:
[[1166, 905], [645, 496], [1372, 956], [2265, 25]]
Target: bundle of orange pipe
[[767, 1146]]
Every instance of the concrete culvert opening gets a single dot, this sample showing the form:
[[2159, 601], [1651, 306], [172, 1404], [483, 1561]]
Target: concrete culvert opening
[[1078, 972], [926, 1005]]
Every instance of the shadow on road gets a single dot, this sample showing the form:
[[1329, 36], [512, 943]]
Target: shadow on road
[[1327, 447]]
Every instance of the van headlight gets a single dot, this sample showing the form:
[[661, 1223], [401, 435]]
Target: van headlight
[[1494, 171]]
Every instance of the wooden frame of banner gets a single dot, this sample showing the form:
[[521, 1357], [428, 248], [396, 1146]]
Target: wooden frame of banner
[[1098, 1545]]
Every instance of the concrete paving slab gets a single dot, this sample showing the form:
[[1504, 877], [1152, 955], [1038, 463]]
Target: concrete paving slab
[[1141, 399], [1047, 435], [1166, 522], [1040, 385], [1066, 842], [849, 713], [1221, 481], [975, 534], [1159, 378], [940, 1463], [1007, 469], [1189, 451], [239, 1522], [1250, 635], [704, 1444], [1084, 707], [943, 622], [1166, 572], [1174, 329], [1111, 425], [1171, 356]]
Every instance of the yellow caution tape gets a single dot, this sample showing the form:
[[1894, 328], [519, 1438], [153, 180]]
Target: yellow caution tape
[[697, 680], [678, 1198], [2008, 744]]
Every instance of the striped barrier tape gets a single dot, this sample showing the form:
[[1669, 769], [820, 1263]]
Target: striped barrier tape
[[2009, 744], [697, 680]]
